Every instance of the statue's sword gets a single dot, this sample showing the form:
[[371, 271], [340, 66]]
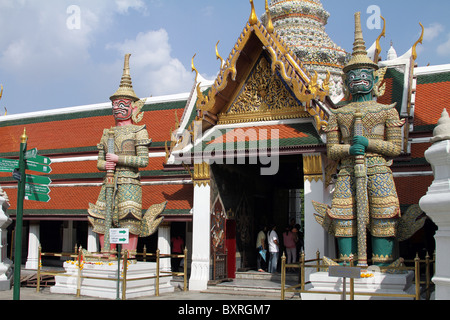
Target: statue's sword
[[109, 189], [362, 202]]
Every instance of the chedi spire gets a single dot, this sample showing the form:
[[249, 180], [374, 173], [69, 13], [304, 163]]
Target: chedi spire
[[301, 24]]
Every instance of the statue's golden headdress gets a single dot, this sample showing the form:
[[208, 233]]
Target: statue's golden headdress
[[125, 90], [359, 59]]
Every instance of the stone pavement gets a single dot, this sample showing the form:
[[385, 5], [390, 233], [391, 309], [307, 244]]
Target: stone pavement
[[31, 294]]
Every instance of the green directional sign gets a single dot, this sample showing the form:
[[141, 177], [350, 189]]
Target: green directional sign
[[38, 167], [32, 155], [38, 179], [8, 165], [40, 197], [36, 188]]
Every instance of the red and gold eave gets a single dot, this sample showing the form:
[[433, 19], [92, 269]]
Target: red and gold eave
[[253, 41]]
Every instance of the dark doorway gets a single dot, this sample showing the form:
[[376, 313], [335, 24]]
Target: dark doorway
[[256, 200]]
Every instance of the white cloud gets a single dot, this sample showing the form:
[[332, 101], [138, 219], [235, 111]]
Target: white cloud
[[123, 6], [433, 31], [42, 42], [444, 48], [153, 69]]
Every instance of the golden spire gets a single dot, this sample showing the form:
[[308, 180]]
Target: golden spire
[[253, 17], [414, 51], [269, 25], [359, 57], [126, 86]]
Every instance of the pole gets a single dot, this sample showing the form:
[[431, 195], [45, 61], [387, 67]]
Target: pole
[[109, 185], [119, 250], [362, 204], [19, 216]]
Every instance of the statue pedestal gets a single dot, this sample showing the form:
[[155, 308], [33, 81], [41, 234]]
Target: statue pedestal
[[6, 270], [107, 287], [380, 283]]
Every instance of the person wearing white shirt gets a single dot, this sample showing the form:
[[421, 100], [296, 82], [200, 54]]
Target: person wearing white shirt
[[273, 241]]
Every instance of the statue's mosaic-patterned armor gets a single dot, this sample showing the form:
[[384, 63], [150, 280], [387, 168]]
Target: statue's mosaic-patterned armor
[[131, 145], [382, 127]]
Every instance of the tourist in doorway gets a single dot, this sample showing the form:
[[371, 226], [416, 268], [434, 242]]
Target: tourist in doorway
[[177, 249], [261, 250], [273, 249], [290, 245]]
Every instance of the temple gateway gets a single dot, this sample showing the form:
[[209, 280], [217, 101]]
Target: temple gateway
[[239, 152]]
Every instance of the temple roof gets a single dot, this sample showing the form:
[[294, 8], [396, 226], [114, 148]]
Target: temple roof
[[69, 136]]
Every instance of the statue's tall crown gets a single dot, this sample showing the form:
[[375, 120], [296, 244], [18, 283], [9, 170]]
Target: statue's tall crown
[[359, 59], [126, 86]]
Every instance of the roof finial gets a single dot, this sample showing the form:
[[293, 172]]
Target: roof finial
[[253, 17], [383, 34], [414, 51], [269, 25]]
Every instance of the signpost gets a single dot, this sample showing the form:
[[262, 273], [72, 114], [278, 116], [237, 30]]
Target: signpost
[[344, 272], [30, 187], [119, 236]]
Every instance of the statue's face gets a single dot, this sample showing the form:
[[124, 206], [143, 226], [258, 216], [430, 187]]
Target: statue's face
[[122, 109], [360, 81]]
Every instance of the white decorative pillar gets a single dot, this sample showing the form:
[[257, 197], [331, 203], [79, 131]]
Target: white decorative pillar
[[200, 266], [5, 263], [436, 203], [92, 243], [164, 246], [315, 237], [33, 246]]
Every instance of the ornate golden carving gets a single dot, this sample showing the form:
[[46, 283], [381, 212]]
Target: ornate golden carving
[[312, 167], [264, 97], [414, 50], [201, 175]]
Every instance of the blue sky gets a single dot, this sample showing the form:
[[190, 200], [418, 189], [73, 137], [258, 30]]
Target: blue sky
[[64, 53]]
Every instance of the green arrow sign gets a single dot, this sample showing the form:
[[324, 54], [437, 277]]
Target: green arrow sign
[[8, 165], [32, 155], [34, 166], [38, 179], [40, 197], [33, 188]]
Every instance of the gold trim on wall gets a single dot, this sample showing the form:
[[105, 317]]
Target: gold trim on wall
[[312, 167]]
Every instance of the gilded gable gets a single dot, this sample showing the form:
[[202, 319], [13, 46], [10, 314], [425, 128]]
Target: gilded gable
[[264, 96]]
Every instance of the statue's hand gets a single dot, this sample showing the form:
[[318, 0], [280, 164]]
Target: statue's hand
[[111, 157], [111, 161], [361, 140], [357, 150]]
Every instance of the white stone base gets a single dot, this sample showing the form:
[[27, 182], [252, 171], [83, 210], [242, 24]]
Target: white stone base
[[380, 283], [108, 288], [6, 275]]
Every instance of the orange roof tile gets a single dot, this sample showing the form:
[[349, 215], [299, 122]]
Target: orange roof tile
[[431, 99], [179, 197], [81, 132], [259, 133], [411, 189], [418, 149]]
